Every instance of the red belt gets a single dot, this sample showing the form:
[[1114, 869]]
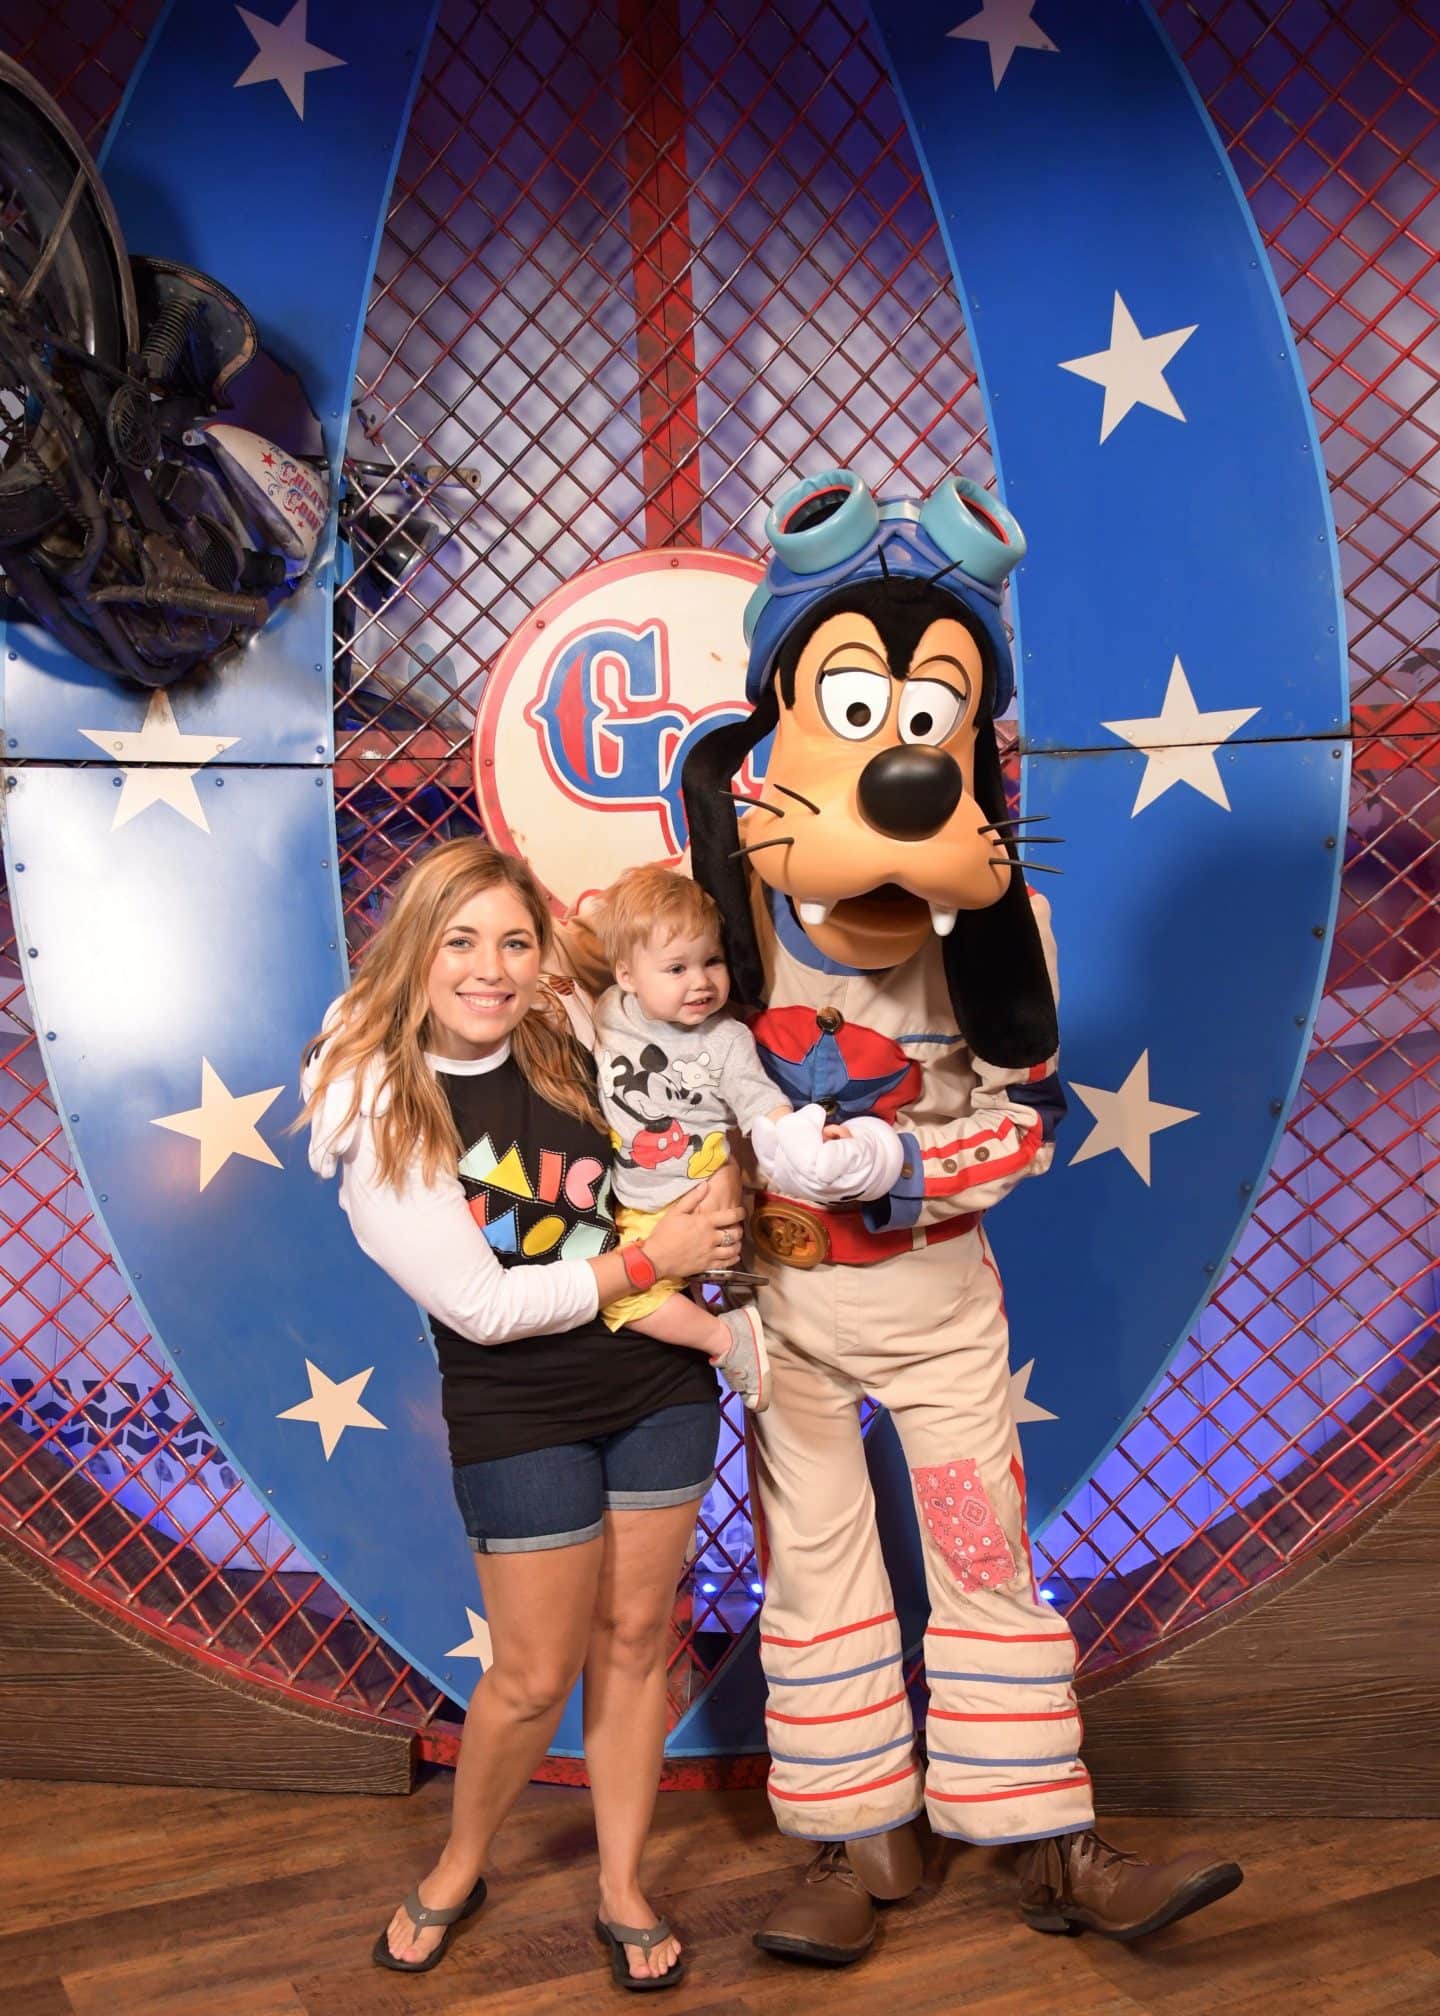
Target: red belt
[[802, 1235]]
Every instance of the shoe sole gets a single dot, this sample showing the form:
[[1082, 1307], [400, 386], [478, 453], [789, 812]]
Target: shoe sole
[[786, 1947], [1206, 1888]]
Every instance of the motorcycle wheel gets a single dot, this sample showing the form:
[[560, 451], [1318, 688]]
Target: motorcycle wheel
[[84, 298]]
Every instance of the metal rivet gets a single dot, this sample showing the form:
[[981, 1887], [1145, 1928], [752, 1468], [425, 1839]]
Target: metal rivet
[[31, 952], [318, 782], [49, 1035], [1209, 1266], [331, 946], [1329, 839], [1277, 1107], [324, 864], [219, 1420], [74, 1119], [1317, 930], [12, 743], [1336, 753], [19, 867], [1300, 1021], [117, 782], [319, 746], [219, 783], [1246, 1188]]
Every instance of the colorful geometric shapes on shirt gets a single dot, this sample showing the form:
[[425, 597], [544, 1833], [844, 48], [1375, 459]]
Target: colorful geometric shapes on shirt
[[552, 1171], [510, 1177], [502, 1235], [477, 1162], [712, 1154], [542, 1236], [585, 1242], [580, 1182], [602, 1199]]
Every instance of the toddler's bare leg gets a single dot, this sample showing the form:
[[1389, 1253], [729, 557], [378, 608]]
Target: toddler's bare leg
[[678, 1320]]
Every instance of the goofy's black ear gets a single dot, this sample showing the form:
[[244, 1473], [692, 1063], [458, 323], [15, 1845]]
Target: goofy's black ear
[[994, 961], [705, 784]]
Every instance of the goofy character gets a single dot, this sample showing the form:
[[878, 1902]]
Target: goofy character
[[877, 917]]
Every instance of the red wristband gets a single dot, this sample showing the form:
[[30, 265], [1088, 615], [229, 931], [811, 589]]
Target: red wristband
[[640, 1270]]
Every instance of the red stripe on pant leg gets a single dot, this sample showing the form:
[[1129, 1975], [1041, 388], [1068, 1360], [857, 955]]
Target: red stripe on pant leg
[[850, 1791], [843, 1631], [1001, 1637], [1011, 1792], [850, 1714], [1039, 1715]]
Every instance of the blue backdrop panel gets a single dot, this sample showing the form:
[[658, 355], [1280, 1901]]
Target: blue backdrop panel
[[1090, 170], [283, 203], [150, 951], [1197, 939]]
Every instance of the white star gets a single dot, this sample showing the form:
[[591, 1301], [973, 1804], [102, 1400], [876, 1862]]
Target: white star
[[1126, 1119], [1004, 25], [1180, 743], [1022, 1408], [1132, 370], [282, 55], [334, 1406], [223, 1124], [477, 1645], [159, 742]]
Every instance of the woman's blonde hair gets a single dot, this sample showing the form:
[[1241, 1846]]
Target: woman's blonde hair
[[382, 1023]]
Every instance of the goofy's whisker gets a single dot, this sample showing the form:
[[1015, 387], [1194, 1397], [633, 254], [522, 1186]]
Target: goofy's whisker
[[789, 841], [800, 799], [740, 799], [1004, 861]]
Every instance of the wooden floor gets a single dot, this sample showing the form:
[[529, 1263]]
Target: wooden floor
[[118, 1901]]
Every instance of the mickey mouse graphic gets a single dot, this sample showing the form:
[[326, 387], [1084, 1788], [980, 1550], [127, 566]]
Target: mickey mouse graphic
[[651, 1089], [902, 976]]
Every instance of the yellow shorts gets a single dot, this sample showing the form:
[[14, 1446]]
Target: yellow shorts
[[633, 1225]]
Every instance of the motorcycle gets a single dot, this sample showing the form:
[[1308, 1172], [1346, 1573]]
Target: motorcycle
[[163, 481]]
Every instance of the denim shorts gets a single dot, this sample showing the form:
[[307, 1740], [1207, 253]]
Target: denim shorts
[[559, 1497]]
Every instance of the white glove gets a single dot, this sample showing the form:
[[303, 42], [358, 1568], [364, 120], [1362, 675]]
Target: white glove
[[795, 1159]]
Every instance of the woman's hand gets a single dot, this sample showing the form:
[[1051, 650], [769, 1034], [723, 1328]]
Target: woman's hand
[[696, 1235]]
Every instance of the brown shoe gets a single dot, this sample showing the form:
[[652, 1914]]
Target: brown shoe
[[828, 1917], [890, 1864], [1077, 1882]]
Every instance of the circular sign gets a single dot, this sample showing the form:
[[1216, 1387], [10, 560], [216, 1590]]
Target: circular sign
[[595, 703]]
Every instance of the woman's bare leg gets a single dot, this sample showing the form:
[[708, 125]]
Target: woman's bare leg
[[539, 1608], [625, 1704]]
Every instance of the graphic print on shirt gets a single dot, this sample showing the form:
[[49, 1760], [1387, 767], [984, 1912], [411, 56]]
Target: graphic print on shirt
[[529, 1212], [657, 1092]]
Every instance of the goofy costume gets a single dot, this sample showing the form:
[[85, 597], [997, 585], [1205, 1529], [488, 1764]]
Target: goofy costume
[[878, 920]]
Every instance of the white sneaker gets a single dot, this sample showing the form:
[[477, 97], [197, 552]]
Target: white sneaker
[[745, 1368]]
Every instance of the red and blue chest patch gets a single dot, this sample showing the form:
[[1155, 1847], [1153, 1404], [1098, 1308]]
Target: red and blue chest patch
[[817, 1057]]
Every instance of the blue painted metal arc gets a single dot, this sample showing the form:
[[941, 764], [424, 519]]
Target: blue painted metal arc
[[1193, 929]]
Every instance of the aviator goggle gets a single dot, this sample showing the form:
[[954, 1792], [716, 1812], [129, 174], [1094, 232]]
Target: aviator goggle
[[829, 531]]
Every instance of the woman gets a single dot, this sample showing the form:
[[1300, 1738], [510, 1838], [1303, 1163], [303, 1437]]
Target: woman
[[579, 1456]]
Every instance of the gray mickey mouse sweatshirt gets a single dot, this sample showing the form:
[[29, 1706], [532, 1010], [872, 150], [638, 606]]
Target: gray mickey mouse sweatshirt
[[665, 1090]]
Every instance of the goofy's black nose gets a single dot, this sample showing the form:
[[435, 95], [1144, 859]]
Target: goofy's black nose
[[909, 793]]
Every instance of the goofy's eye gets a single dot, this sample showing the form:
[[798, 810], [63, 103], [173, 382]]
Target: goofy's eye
[[929, 710], [854, 703]]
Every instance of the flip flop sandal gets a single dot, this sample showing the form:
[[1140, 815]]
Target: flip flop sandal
[[618, 1937], [421, 1915]]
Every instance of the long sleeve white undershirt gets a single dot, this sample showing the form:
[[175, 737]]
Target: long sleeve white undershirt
[[423, 1236]]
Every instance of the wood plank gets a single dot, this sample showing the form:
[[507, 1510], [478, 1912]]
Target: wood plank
[[153, 1901], [89, 1694], [1315, 1695]]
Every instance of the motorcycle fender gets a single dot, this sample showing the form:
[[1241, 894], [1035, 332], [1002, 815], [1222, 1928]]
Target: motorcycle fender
[[290, 499]]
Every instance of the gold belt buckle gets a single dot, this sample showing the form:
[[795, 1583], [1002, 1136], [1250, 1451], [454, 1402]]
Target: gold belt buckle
[[790, 1235]]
